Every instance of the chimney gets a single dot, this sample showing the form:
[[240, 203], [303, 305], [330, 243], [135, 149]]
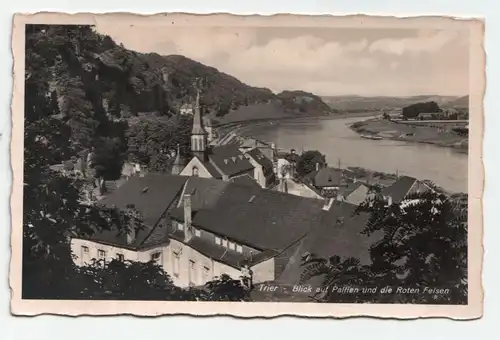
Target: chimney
[[225, 178], [131, 235], [187, 217], [328, 204], [283, 185], [317, 166], [389, 200]]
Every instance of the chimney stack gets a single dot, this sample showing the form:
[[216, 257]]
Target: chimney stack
[[389, 200], [317, 166], [187, 217], [131, 234], [328, 204]]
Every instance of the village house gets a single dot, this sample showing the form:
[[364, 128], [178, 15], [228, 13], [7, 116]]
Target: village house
[[329, 181], [404, 186], [294, 186], [263, 168], [200, 228], [354, 192], [248, 143]]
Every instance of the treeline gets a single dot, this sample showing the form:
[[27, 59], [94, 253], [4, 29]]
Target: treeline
[[412, 111]]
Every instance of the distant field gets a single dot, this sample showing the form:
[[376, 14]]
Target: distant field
[[359, 103], [408, 133]]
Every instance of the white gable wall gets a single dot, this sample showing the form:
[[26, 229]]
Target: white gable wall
[[195, 162]]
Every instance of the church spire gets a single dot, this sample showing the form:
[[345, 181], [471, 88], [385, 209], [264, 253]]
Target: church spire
[[177, 166], [198, 127], [198, 133]]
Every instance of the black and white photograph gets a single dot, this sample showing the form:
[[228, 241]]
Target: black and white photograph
[[319, 165]]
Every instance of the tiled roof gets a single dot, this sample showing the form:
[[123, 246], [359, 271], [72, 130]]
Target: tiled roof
[[399, 189], [212, 170], [204, 191], [338, 233], [229, 159], [266, 163], [151, 195], [328, 177], [350, 188], [260, 218], [245, 180]]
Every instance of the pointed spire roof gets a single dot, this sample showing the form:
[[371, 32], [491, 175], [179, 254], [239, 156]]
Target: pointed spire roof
[[198, 128], [178, 164], [178, 160]]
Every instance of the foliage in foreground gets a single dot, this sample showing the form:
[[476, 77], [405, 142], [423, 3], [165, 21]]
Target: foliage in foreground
[[422, 243]]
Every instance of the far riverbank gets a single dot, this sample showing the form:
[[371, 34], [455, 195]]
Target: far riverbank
[[234, 127], [413, 134]]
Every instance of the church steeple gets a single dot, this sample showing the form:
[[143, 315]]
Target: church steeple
[[198, 133], [178, 165]]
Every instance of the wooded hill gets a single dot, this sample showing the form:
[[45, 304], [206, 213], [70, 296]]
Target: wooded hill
[[90, 70]]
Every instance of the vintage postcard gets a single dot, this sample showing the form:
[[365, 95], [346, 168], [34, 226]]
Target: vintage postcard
[[253, 166]]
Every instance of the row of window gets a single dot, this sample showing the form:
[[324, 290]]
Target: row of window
[[218, 240], [101, 255], [228, 244]]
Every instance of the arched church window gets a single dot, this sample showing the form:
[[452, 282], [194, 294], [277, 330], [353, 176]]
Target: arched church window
[[195, 171]]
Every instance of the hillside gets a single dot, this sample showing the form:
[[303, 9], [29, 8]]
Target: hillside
[[459, 103], [91, 71], [300, 102], [360, 103]]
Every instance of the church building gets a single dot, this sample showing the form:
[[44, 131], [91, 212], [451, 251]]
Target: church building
[[224, 162]]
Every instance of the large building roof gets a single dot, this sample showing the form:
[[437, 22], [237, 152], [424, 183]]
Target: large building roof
[[245, 180], [150, 195], [262, 219], [229, 160], [338, 233]]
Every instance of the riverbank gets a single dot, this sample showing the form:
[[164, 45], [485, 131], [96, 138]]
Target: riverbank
[[413, 134]]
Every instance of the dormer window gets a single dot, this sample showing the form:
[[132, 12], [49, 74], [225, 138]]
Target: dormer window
[[197, 232]]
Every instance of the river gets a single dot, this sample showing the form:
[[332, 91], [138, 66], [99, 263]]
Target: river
[[333, 137]]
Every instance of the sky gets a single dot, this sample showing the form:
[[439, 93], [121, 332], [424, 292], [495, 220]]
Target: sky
[[324, 61]]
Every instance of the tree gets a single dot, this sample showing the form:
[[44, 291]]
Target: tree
[[307, 162], [423, 244], [412, 111], [153, 141], [108, 158]]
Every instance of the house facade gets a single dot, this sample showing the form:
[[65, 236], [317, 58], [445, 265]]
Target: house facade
[[404, 186]]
